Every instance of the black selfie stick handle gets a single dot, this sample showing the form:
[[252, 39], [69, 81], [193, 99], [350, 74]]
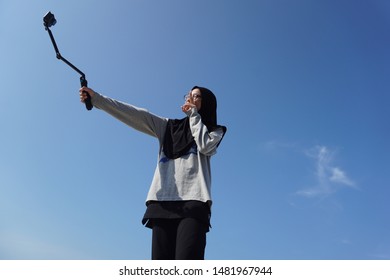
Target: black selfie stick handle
[[88, 102]]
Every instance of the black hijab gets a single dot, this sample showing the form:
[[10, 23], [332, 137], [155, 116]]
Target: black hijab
[[178, 138]]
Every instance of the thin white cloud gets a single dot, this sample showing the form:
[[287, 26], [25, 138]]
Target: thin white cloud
[[339, 176], [329, 178]]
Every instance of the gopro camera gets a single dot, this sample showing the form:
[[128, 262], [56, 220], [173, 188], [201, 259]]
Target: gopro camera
[[49, 20]]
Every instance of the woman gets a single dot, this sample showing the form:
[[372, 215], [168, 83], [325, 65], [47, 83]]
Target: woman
[[179, 198]]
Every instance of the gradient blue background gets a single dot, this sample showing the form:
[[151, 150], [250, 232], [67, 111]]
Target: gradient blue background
[[303, 87]]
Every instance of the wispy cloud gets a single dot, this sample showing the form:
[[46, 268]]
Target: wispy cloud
[[339, 176], [329, 178]]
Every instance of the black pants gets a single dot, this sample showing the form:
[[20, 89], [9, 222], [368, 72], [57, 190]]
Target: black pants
[[178, 239]]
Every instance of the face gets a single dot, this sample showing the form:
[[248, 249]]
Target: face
[[195, 97]]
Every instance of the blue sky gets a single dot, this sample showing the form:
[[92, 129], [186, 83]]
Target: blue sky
[[303, 87]]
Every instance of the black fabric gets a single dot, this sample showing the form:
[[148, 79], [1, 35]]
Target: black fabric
[[178, 239], [178, 138], [177, 210], [208, 110]]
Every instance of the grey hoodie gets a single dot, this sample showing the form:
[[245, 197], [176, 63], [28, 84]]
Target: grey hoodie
[[184, 178]]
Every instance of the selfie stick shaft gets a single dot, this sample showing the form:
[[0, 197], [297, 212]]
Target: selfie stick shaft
[[83, 81]]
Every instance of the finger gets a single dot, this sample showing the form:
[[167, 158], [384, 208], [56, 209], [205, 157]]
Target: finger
[[186, 108], [88, 91], [85, 89], [83, 96]]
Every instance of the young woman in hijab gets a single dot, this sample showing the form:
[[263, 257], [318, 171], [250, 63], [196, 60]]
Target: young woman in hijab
[[179, 199]]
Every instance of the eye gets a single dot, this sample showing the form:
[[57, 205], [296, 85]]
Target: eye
[[197, 96]]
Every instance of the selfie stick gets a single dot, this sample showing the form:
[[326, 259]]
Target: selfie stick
[[48, 21]]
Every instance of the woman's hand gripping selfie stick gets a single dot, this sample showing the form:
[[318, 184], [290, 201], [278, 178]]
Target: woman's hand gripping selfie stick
[[48, 21]]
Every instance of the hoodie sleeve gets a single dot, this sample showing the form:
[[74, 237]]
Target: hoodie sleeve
[[137, 118], [206, 141]]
